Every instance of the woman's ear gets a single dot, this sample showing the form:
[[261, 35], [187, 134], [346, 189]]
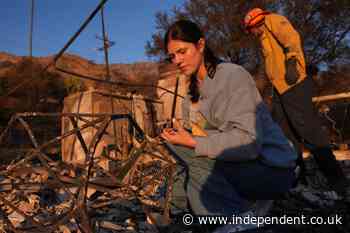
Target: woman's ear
[[201, 44]]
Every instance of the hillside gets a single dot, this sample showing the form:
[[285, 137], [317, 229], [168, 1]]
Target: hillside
[[46, 90]]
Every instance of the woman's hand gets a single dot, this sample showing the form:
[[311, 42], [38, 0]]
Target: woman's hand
[[178, 135]]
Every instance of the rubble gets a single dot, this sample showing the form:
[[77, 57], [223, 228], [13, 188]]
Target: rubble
[[40, 194]]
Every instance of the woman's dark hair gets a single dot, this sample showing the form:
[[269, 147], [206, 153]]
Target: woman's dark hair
[[188, 31]]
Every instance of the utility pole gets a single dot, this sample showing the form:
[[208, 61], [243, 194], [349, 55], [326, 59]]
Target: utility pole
[[108, 73], [31, 30], [34, 98], [105, 45]]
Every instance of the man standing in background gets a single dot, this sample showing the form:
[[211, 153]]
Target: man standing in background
[[292, 100]]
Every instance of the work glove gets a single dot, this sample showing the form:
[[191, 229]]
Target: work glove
[[291, 71]]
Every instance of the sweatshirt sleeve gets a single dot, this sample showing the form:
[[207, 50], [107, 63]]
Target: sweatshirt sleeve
[[237, 137], [286, 35]]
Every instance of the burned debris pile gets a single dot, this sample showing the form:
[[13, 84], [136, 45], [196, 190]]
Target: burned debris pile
[[109, 191]]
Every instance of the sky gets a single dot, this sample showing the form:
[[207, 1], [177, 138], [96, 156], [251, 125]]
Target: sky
[[129, 23]]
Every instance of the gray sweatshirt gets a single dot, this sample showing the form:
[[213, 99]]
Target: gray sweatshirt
[[242, 125]]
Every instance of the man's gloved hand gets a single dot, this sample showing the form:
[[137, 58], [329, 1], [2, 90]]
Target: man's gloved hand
[[291, 71]]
